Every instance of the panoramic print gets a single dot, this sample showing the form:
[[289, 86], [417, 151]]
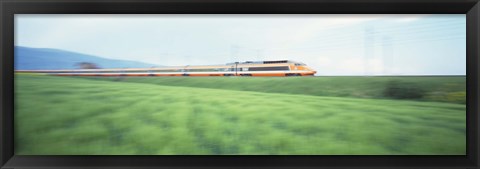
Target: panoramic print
[[240, 84]]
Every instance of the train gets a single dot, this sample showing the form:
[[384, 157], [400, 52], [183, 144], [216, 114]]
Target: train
[[247, 68]]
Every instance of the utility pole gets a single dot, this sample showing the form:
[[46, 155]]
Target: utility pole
[[236, 68], [260, 54], [387, 51], [368, 48], [234, 52]]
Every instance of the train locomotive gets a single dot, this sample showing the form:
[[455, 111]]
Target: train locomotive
[[248, 68]]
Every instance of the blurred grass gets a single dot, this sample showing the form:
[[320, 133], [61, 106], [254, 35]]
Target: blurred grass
[[436, 88], [68, 116]]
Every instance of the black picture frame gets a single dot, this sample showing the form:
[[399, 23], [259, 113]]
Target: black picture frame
[[9, 8]]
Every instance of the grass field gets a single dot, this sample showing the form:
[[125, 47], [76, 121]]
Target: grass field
[[219, 115], [435, 88]]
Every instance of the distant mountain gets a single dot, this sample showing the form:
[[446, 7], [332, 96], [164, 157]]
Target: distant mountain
[[44, 58]]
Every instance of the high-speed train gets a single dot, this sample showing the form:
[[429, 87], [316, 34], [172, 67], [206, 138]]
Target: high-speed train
[[248, 68]]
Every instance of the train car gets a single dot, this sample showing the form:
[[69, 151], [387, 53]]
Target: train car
[[248, 68]]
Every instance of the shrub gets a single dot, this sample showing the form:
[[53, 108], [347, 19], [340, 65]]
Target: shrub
[[451, 97], [402, 90], [457, 97], [440, 96]]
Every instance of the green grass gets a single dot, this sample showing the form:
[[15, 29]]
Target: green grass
[[68, 115], [435, 88]]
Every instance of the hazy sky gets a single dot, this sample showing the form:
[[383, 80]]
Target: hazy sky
[[330, 44]]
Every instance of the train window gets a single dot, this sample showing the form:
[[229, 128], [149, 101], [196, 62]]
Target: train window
[[276, 68], [274, 62], [202, 70], [172, 70], [136, 71]]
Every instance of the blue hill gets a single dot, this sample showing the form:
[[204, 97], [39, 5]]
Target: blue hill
[[44, 58]]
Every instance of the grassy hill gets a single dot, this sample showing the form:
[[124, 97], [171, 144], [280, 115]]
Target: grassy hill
[[68, 115], [44, 58]]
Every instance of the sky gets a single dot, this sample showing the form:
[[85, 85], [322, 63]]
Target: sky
[[346, 44]]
